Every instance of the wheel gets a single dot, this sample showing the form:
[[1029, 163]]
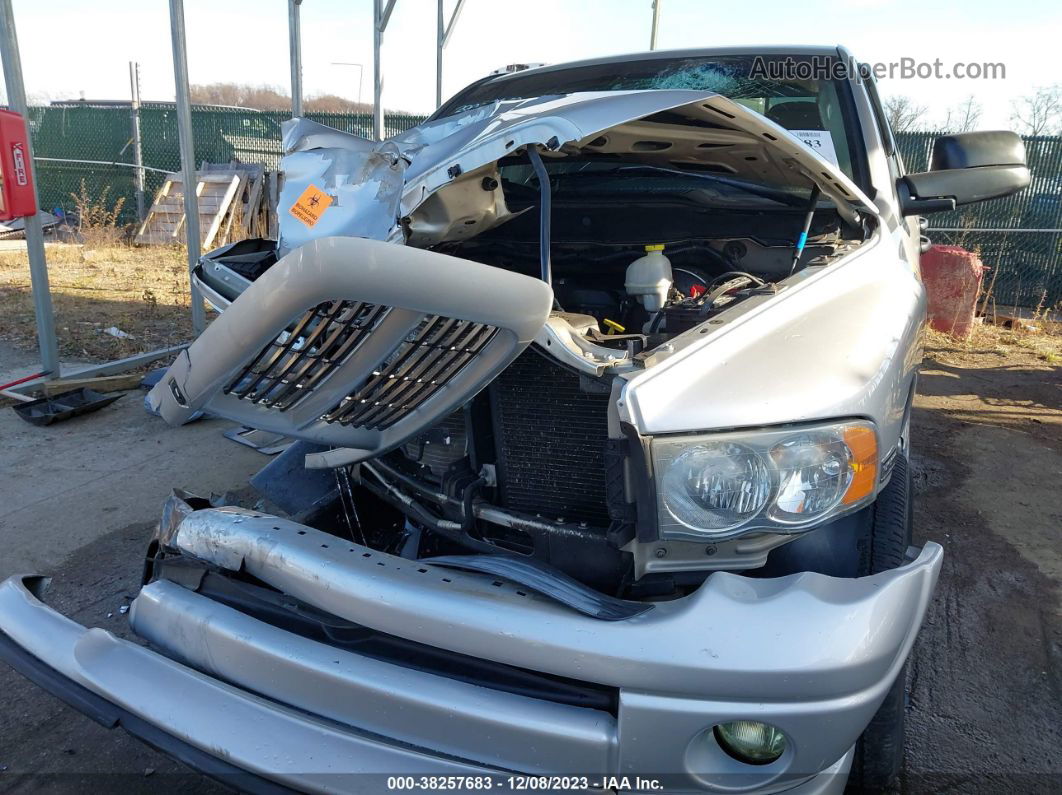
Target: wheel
[[878, 757]]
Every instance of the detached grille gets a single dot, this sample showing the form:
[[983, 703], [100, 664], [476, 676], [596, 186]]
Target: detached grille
[[433, 353], [297, 362], [291, 366], [551, 438]]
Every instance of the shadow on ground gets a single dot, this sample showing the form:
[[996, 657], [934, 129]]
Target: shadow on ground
[[985, 709]]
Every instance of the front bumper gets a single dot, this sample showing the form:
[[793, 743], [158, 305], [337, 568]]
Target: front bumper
[[810, 654]]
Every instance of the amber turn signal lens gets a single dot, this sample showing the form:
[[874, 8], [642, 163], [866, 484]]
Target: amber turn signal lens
[[863, 443]]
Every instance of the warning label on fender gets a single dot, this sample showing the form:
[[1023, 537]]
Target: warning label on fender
[[310, 206]]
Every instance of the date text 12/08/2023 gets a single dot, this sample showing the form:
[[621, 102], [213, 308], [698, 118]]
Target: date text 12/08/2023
[[524, 783]]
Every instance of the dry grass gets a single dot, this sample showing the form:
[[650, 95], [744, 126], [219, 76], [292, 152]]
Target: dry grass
[[1005, 377], [142, 291], [98, 218], [1037, 345]]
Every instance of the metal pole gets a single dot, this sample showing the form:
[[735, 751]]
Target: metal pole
[[42, 296], [295, 50], [381, 14], [440, 31], [188, 175], [445, 31], [377, 78], [656, 24], [138, 152]]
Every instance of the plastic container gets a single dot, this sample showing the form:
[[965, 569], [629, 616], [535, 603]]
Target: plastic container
[[61, 407], [649, 278]]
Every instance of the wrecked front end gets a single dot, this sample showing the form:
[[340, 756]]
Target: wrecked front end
[[585, 469], [299, 659]]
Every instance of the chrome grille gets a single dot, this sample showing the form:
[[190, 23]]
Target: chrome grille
[[430, 356], [290, 367]]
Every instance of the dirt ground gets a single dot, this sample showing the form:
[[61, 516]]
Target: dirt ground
[[985, 709], [142, 292]]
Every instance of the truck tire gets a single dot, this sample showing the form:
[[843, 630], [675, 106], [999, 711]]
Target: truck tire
[[878, 759]]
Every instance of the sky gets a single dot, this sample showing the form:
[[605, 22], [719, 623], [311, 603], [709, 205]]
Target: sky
[[73, 48]]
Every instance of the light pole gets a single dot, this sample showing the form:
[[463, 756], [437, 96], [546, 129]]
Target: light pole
[[361, 72], [138, 151]]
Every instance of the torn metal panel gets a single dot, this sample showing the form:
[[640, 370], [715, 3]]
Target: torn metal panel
[[363, 178], [376, 186]]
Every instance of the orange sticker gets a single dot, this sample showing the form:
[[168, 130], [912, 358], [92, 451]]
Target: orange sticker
[[310, 206]]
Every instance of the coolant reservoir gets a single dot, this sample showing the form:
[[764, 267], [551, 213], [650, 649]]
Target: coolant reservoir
[[649, 278]]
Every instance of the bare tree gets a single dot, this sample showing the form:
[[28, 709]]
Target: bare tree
[[271, 98], [1039, 113], [963, 117], [904, 115], [244, 96]]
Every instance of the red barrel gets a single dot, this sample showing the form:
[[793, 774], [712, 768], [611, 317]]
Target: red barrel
[[952, 276]]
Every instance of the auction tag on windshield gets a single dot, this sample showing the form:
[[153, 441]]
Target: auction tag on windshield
[[819, 141], [310, 206]]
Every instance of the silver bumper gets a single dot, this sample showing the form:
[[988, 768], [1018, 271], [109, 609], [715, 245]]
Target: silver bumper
[[811, 654]]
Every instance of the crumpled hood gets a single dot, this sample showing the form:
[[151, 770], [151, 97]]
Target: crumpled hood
[[375, 186]]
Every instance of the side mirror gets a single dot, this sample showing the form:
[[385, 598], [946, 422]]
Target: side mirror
[[966, 168]]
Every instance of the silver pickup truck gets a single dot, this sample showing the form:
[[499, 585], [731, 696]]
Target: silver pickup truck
[[600, 380]]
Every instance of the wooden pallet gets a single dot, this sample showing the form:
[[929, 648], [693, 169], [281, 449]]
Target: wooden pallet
[[236, 201], [216, 192]]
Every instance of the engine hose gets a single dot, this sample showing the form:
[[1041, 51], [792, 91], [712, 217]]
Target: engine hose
[[544, 213], [468, 517], [453, 531]]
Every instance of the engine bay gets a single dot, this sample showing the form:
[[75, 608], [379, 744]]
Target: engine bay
[[644, 232], [533, 466], [702, 260]]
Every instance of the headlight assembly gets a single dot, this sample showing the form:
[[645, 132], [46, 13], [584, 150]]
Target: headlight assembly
[[720, 485]]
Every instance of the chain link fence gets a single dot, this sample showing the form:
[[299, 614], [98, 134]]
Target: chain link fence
[[94, 143], [1020, 237]]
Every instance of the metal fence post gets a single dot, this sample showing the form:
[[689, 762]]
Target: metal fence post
[[656, 24], [377, 78], [440, 32], [188, 175], [444, 31], [381, 13], [138, 151], [295, 52], [42, 296]]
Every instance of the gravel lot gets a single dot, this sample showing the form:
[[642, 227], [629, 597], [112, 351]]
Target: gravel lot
[[986, 683]]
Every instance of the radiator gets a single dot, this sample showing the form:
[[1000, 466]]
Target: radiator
[[550, 437]]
